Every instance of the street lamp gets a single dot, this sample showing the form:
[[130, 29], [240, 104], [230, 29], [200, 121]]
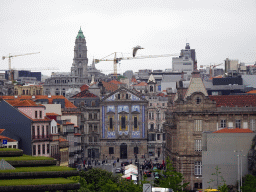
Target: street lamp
[[239, 177]]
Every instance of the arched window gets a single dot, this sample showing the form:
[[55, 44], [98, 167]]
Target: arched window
[[23, 92], [151, 88]]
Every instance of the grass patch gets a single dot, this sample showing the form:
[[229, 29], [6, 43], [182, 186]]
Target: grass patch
[[38, 169], [9, 149], [26, 158], [46, 181]]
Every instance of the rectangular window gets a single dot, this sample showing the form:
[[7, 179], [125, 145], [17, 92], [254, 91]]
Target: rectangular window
[[136, 150], [38, 132], [35, 114], [95, 139], [111, 123], [223, 123], [135, 123], [198, 168], [43, 148], [158, 136], [198, 145], [40, 114], [34, 149], [90, 127], [123, 122], [153, 137], [48, 148], [90, 116], [33, 132], [90, 139], [238, 123], [198, 125], [163, 104], [163, 136], [126, 96], [111, 150], [39, 149], [42, 131], [157, 116], [95, 115], [95, 128], [252, 124], [151, 126], [245, 125], [118, 96], [47, 130], [14, 146]]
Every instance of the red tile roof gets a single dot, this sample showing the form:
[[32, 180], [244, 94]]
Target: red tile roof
[[27, 103], [6, 138], [84, 94], [141, 84], [84, 87], [109, 86], [234, 100], [45, 119], [77, 134], [252, 91], [62, 139], [236, 130], [52, 114], [115, 82], [68, 123], [134, 80], [68, 104]]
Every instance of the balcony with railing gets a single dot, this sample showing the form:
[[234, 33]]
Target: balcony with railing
[[41, 137]]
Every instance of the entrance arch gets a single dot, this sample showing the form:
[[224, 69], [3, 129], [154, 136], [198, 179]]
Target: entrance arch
[[123, 151]]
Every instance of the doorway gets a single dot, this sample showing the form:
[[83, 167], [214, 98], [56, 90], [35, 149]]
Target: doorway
[[123, 151]]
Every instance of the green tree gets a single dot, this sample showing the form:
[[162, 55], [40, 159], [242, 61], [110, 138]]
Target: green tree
[[249, 183], [171, 179], [221, 187], [99, 180]]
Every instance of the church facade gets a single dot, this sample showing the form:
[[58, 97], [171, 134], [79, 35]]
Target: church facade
[[123, 125]]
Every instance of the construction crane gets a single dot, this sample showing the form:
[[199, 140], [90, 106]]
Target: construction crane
[[116, 60], [211, 69], [10, 57]]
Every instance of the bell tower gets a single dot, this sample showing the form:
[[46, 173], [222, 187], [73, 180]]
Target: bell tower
[[80, 61]]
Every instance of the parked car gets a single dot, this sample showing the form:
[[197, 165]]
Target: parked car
[[125, 163], [147, 173], [119, 170]]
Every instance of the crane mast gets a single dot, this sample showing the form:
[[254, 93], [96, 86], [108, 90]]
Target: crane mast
[[9, 58]]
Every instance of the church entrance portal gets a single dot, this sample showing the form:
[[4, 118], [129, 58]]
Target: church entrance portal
[[123, 151]]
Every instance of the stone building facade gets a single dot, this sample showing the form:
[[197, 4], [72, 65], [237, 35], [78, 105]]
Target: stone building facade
[[123, 124], [28, 90], [68, 84], [88, 103], [196, 112]]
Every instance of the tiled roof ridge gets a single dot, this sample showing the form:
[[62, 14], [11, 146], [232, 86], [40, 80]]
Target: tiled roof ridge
[[234, 100]]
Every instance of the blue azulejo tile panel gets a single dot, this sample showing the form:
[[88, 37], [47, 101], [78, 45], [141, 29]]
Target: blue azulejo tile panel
[[124, 108], [136, 134], [111, 108], [111, 134], [136, 108]]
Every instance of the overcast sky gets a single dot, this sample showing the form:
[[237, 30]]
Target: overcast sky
[[216, 29]]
